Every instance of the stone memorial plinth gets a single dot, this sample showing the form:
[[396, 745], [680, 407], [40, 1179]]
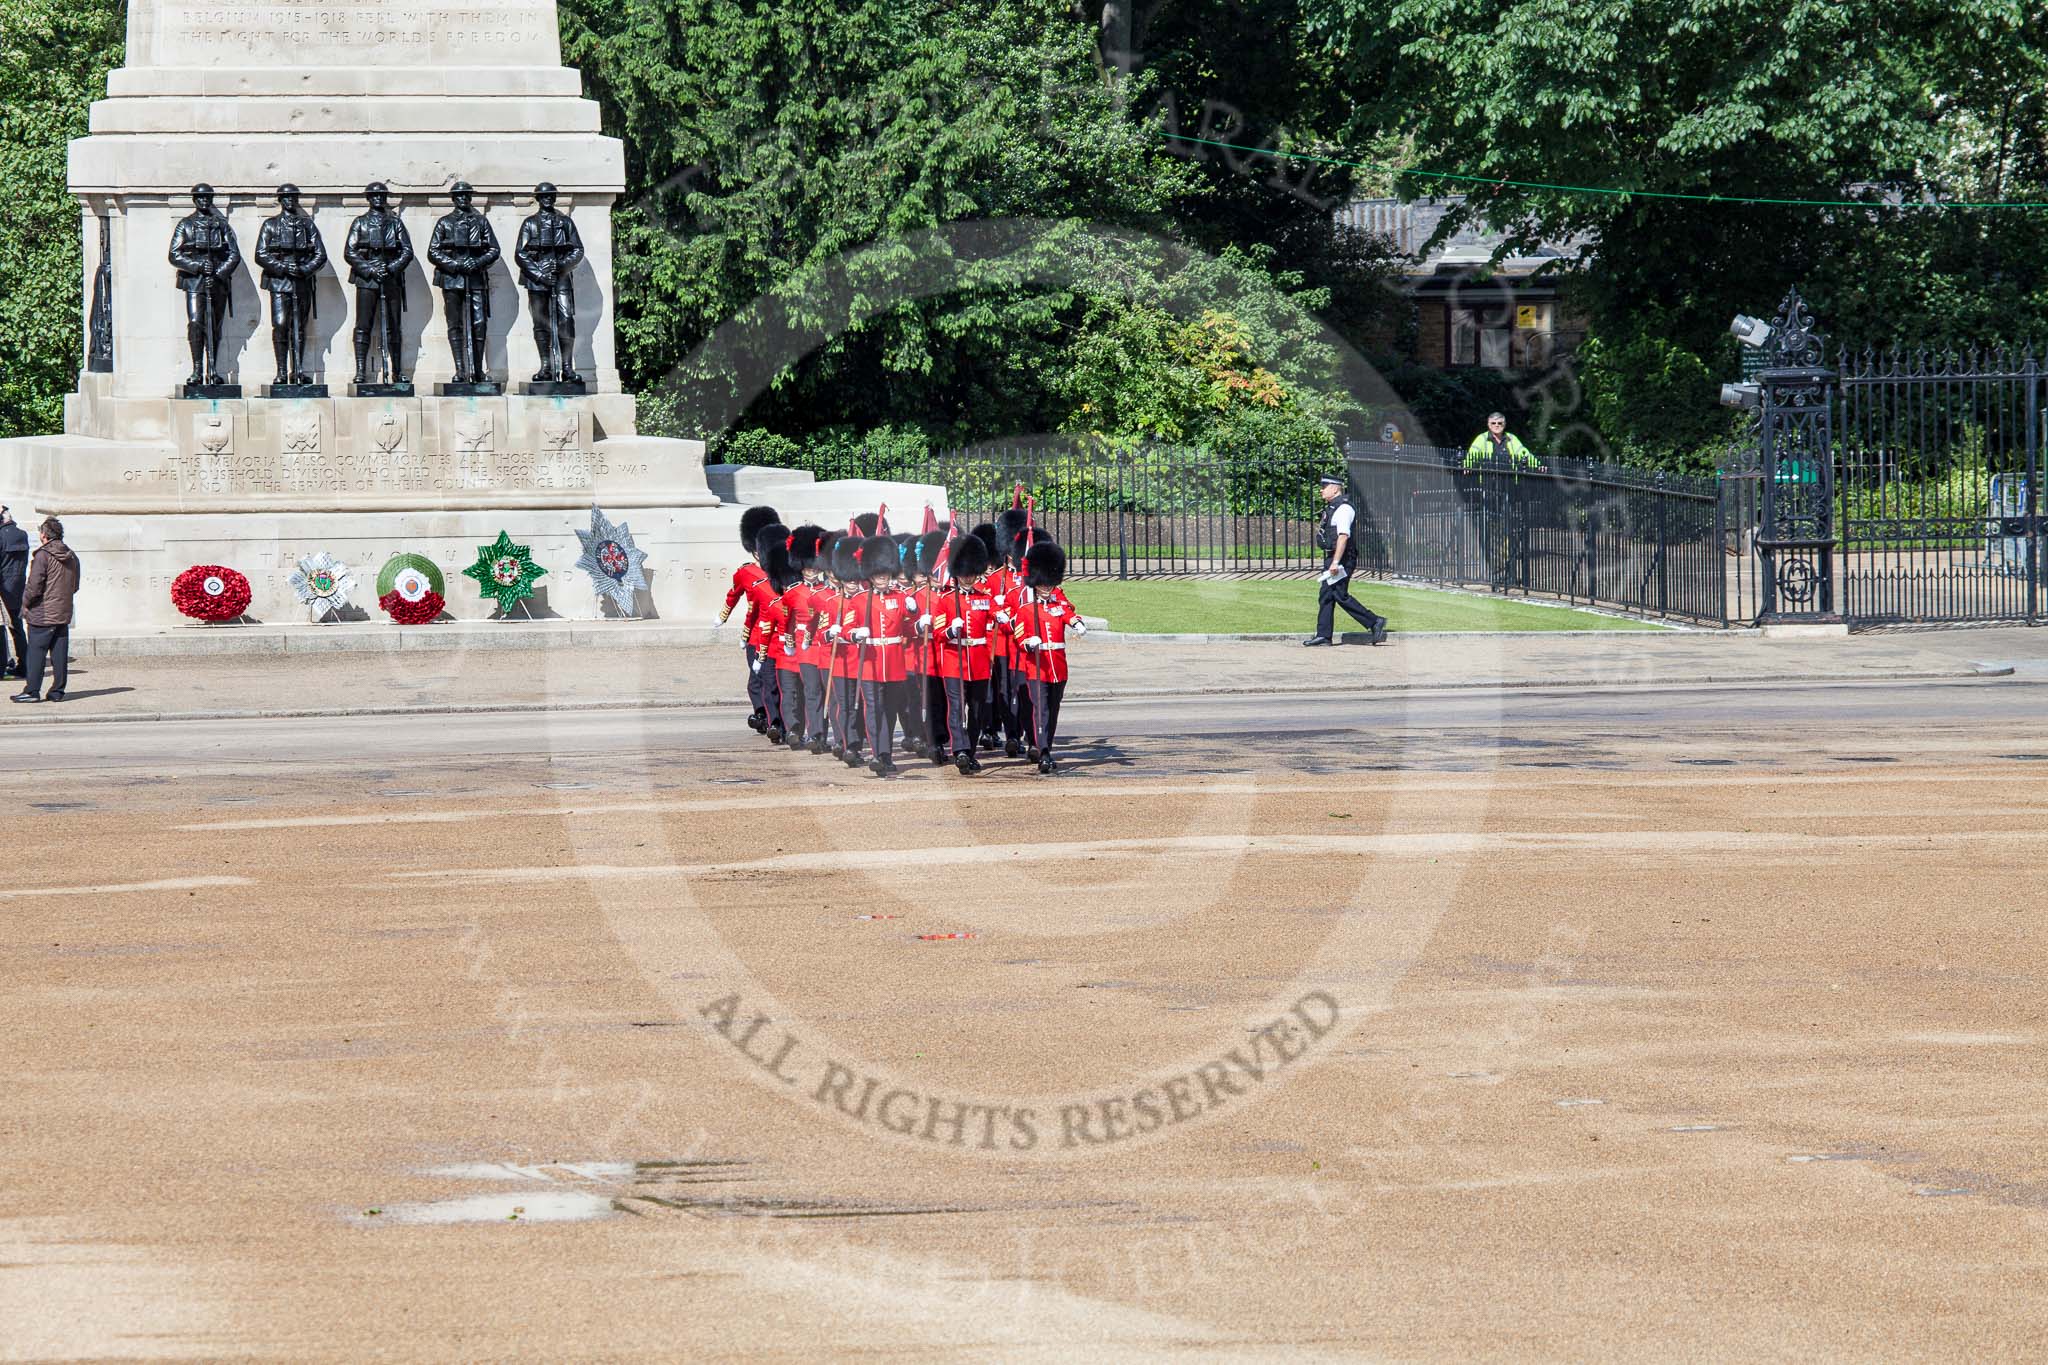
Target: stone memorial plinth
[[331, 95]]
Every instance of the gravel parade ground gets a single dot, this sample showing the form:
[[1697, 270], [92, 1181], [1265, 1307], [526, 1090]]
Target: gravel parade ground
[[1557, 1022]]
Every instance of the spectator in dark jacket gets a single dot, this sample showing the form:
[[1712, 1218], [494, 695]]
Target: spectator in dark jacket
[[13, 580], [52, 583]]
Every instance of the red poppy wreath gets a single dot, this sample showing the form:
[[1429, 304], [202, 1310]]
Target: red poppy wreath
[[208, 592]]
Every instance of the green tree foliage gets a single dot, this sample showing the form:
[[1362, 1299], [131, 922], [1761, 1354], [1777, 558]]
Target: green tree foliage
[[1790, 99], [54, 59], [852, 182]]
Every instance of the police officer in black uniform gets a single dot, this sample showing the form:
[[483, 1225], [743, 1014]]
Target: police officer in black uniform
[[1340, 519]]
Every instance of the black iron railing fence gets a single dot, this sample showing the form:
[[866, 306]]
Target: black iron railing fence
[[1639, 541], [1155, 511], [1661, 545]]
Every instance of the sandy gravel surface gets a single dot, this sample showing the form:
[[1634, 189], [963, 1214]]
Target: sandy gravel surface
[[1698, 1052], [475, 675]]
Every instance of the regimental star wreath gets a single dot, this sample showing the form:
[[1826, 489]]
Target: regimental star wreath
[[323, 583], [409, 589], [613, 561], [505, 572]]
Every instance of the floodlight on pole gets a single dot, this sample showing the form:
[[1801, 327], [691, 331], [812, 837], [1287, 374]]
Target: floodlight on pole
[[1746, 396], [1750, 331]]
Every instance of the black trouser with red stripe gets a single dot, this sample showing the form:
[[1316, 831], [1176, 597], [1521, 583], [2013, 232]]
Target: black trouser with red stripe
[[1039, 730], [966, 712], [814, 702], [755, 682], [883, 702], [789, 692]]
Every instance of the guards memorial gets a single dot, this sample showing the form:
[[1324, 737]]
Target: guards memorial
[[439, 105]]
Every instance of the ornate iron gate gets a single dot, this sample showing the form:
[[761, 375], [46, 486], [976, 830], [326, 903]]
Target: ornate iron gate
[[1939, 461]]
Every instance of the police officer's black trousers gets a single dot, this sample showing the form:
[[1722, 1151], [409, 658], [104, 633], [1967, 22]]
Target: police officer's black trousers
[[1338, 594]]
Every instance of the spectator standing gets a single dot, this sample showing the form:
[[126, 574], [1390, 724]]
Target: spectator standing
[[52, 582], [13, 580], [1499, 447]]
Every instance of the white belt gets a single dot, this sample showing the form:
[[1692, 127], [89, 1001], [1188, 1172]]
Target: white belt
[[883, 640], [1048, 644], [976, 640]]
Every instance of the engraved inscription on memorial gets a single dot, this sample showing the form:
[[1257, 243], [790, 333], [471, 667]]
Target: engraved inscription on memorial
[[357, 32], [376, 472]]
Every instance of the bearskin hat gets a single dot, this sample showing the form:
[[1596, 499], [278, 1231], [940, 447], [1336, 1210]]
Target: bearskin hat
[[878, 555], [751, 522], [1045, 565], [970, 557], [986, 534], [773, 547], [803, 546], [928, 546], [1010, 532], [867, 522], [846, 559]]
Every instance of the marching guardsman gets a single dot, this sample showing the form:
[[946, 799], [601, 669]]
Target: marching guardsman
[[784, 689], [875, 621], [845, 674], [748, 580], [824, 603], [1011, 529], [929, 546], [771, 552], [798, 706], [1045, 619], [962, 614]]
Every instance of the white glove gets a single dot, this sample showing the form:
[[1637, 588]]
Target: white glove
[[1031, 643], [832, 633], [1004, 617], [861, 634], [757, 663], [1077, 627], [924, 622]]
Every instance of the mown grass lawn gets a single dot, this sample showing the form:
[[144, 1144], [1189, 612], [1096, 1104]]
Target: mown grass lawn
[[1238, 606]]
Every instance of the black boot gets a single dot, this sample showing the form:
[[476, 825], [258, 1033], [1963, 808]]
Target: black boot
[[818, 745], [1012, 749], [882, 767], [1046, 766], [968, 764], [939, 759], [774, 733]]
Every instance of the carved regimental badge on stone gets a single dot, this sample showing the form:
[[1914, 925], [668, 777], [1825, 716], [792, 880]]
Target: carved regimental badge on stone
[[559, 432], [300, 434], [475, 434], [388, 433], [213, 434]]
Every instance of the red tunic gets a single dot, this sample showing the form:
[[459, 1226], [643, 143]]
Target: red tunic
[[1003, 587], [785, 613], [885, 617], [1043, 616], [967, 611], [744, 579]]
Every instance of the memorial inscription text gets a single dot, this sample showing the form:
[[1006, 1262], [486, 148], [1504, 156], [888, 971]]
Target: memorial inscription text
[[365, 32]]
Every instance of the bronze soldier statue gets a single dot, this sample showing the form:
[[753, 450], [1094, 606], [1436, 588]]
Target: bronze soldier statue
[[204, 250], [549, 252], [463, 250], [378, 252], [291, 255]]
